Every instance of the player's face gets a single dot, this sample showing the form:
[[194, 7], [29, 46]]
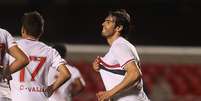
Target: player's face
[[108, 26]]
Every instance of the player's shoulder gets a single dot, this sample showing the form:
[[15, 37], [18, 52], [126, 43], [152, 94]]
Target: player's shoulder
[[121, 44], [33, 43], [4, 35], [3, 31], [121, 40], [47, 47], [50, 49]]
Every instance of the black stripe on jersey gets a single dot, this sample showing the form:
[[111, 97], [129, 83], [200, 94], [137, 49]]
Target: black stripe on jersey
[[120, 72]]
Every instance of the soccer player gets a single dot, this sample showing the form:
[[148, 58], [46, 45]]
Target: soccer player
[[31, 83], [73, 86], [8, 45], [119, 68]]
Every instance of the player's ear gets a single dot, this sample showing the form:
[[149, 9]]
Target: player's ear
[[119, 28], [22, 30]]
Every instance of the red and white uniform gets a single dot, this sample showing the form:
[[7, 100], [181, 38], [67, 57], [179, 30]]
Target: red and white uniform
[[112, 70], [63, 93], [6, 42], [29, 83]]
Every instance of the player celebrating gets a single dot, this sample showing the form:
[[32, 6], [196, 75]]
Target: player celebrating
[[8, 45], [30, 83], [119, 68]]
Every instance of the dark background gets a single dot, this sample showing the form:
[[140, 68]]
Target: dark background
[[157, 22]]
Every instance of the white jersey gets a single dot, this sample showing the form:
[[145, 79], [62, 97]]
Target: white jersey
[[112, 70], [29, 83], [63, 93], [6, 42]]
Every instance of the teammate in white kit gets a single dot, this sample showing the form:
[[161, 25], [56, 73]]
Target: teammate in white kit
[[73, 86], [31, 83], [8, 45], [119, 68]]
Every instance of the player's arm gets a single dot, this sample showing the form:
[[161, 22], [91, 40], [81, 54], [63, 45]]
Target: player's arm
[[63, 76], [132, 75], [21, 60], [77, 86]]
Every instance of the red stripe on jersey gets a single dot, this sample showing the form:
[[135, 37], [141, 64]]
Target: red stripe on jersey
[[22, 73], [108, 65], [127, 62], [33, 58]]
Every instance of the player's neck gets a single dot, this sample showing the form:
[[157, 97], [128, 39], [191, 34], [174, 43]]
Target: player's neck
[[29, 37], [111, 39]]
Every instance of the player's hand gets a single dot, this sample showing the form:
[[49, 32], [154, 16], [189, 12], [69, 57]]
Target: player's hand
[[104, 95], [1, 72], [49, 91], [96, 64], [5, 74]]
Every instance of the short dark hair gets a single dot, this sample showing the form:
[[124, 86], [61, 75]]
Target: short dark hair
[[61, 49], [33, 23], [122, 18]]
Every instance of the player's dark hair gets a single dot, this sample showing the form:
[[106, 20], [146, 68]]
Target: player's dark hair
[[122, 19], [61, 49], [33, 23]]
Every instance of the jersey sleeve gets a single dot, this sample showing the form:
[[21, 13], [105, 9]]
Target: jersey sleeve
[[123, 54], [77, 74], [57, 60], [10, 40]]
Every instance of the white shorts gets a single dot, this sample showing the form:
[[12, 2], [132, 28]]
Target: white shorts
[[4, 92], [130, 98], [131, 95], [5, 99]]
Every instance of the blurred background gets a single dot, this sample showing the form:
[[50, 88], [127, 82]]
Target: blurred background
[[165, 33]]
